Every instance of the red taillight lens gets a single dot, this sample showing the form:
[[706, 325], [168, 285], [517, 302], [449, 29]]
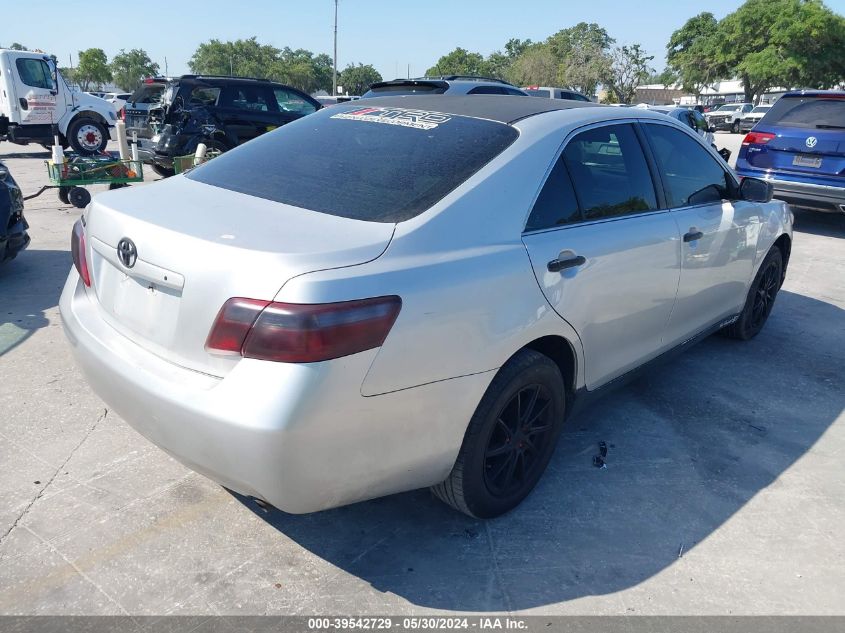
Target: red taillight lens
[[757, 138], [233, 324], [302, 333], [77, 252], [123, 114]]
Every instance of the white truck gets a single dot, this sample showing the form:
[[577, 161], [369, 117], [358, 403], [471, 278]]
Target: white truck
[[34, 97]]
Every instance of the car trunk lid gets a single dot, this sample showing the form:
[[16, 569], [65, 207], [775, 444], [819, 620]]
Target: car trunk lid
[[195, 246]]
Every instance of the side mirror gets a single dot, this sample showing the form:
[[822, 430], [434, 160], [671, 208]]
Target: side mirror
[[756, 190], [712, 128], [725, 153]]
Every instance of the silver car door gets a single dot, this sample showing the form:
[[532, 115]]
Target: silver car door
[[604, 254], [718, 232]]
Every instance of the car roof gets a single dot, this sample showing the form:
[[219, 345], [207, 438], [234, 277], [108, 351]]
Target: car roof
[[815, 93], [502, 108]]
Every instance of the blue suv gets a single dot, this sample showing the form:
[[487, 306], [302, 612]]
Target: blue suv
[[799, 146]]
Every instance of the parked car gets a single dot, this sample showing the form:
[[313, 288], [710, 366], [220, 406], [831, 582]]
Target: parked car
[[117, 99], [136, 112], [412, 291], [35, 101], [548, 92], [222, 112], [13, 226], [799, 147], [447, 84], [329, 100], [751, 119], [727, 117], [691, 118]]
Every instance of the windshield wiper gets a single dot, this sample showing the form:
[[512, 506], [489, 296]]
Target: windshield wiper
[[824, 126]]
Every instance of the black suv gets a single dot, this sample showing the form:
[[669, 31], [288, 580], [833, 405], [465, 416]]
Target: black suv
[[221, 112]]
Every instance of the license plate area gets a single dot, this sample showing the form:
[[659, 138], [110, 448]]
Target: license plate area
[[803, 160], [148, 309]]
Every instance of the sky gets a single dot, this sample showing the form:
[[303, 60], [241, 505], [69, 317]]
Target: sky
[[389, 35]]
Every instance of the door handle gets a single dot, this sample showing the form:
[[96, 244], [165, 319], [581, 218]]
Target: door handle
[[24, 104], [557, 265], [693, 235]]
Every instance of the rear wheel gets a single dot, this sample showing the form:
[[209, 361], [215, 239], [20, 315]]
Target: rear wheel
[[760, 300], [510, 438], [79, 197], [63, 194], [735, 127]]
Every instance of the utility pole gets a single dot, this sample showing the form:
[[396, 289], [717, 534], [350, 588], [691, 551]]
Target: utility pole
[[334, 72]]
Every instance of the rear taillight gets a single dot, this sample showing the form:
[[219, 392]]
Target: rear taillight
[[77, 251], [757, 138], [123, 114], [302, 333]]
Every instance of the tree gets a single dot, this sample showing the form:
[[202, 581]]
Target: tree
[[629, 68], [299, 68], [16, 46], [130, 68], [582, 35], [536, 66], [92, 69], [692, 53], [356, 80], [665, 78], [459, 62], [582, 56], [241, 58], [768, 43]]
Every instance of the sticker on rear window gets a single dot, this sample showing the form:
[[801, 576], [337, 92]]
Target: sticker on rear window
[[418, 119]]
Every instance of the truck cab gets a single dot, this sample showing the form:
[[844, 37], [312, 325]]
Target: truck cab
[[34, 97]]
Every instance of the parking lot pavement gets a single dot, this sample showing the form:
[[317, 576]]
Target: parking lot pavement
[[732, 141], [724, 491]]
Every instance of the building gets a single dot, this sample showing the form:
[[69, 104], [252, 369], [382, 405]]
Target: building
[[725, 91]]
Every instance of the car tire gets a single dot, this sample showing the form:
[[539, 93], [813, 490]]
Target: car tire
[[510, 438], [735, 127], [760, 300], [87, 136], [164, 172]]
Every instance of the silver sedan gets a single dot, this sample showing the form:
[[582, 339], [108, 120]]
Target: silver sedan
[[412, 292]]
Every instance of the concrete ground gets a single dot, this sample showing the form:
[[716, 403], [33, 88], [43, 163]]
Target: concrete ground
[[724, 491]]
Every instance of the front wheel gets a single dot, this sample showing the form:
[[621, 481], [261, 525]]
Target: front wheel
[[87, 136], [510, 438], [760, 300]]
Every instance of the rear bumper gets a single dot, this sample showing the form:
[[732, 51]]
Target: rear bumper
[[802, 193], [301, 437]]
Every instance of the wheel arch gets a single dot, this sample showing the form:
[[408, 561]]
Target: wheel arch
[[87, 114], [562, 352], [784, 243]]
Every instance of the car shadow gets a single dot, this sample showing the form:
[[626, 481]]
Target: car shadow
[[30, 285], [689, 444], [819, 223]]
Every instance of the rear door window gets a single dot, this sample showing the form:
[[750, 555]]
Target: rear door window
[[610, 172], [361, 162], [488, 90], [556, 205], [808, 112], [205, 96], [691, 176]]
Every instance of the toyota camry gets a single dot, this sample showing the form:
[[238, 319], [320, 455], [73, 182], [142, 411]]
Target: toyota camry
[[412, 292]]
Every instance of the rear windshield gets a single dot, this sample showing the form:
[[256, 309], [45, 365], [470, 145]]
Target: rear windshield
[[147, 93], [808, 112], [366, 163], [406, 89]]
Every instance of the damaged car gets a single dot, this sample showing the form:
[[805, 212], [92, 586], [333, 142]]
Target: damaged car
[[222, 113], [13, 226]]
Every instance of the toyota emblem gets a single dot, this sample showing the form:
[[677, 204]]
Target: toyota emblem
[[812, 141], [126, 252]]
